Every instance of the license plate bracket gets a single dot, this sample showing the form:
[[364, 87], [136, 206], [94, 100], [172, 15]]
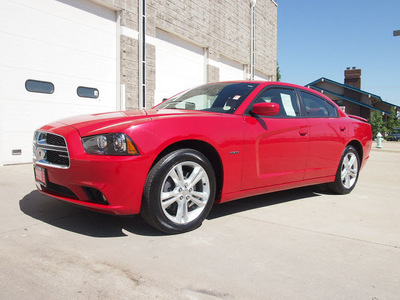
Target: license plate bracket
[[40, 175]]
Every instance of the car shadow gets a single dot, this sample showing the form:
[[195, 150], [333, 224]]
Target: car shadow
[[255, 202], [82, 221]]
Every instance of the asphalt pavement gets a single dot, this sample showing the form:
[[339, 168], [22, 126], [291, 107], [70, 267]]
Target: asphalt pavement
[[297, 244]]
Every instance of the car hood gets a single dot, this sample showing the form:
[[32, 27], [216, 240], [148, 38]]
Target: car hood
[[118, 121]]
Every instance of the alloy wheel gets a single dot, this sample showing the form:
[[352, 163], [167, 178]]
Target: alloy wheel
[[349, 170], [185, 192]]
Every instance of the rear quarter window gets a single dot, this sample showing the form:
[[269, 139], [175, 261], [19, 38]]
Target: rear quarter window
[[332, 110], [317, 107]]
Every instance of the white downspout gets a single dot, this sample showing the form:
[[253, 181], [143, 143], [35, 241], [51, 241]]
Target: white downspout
[[252, 38], [142, 53]]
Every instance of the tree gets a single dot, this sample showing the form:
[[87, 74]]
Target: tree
[[393, 121], [377, 123], [278, 73]]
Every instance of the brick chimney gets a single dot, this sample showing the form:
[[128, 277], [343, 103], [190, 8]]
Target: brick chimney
[[353, 77]]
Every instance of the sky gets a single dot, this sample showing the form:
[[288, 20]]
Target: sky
[[321, 38]]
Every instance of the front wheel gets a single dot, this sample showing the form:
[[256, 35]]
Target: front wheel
[[179, 192], [347, 173]]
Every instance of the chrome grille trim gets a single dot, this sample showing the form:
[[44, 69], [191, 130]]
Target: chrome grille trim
[[46, 154]]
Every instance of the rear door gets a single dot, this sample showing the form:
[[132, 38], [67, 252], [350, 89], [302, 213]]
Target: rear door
[[275, 148], [327, 135]]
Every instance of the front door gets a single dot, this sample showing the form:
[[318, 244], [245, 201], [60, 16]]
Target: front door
[[275, 148]]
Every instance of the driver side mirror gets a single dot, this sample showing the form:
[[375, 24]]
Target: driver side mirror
[[265, 109]]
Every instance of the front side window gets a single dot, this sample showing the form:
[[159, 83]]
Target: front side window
[[286, 98], [215, 97], [315, 106]]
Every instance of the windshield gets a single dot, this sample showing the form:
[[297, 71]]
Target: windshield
[[223, 97]]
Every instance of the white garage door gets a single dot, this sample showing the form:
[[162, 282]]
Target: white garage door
[[230, 70], [260, 76], [180, 65], [60, 46]]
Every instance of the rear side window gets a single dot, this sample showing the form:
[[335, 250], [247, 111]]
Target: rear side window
[[286, 98], [332, 109], [37, 86], [316, 107]]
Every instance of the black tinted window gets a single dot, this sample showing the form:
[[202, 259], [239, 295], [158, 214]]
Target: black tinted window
[[87, 92], [332, 110], [286, 98], [216, 97], [315, 107], [37, 86]]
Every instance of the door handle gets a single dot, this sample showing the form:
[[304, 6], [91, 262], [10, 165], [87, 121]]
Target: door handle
[[342, 128], [303, 132]]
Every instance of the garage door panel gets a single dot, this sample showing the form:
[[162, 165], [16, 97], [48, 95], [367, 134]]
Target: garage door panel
[[69, 43], [41, 56], [16, 135], [181, 46], [65, 91], [230, 70], [17, 141], [86, 13], [260, 76], [57, 23], [179, 65], [34, 117]]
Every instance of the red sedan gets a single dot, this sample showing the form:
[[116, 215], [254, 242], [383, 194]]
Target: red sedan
[[214, 143]]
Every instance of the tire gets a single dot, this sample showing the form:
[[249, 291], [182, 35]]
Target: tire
[[347, 173], [179, 192]]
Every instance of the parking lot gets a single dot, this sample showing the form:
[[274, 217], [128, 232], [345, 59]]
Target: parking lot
[[297, 244]]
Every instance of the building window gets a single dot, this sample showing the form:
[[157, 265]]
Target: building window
[[87, 92], [37, 86]]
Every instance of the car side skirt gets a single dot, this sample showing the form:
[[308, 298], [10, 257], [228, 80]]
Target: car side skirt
[[276, 188]]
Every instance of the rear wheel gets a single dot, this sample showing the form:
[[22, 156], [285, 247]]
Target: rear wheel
[[347, 173], [179, 192]]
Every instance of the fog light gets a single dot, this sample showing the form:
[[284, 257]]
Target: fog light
[[95, 195]]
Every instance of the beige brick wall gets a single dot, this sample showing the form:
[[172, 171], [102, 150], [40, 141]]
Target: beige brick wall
[[222, 27]]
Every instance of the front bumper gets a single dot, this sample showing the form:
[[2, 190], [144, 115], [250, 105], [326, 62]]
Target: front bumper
[[112, 184]]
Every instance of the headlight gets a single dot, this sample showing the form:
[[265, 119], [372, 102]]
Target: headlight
[[109, 144]]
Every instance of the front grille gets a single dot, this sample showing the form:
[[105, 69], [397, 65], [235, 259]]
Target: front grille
[[56, 140], [59, 190], [50, 149], [57, 157]]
